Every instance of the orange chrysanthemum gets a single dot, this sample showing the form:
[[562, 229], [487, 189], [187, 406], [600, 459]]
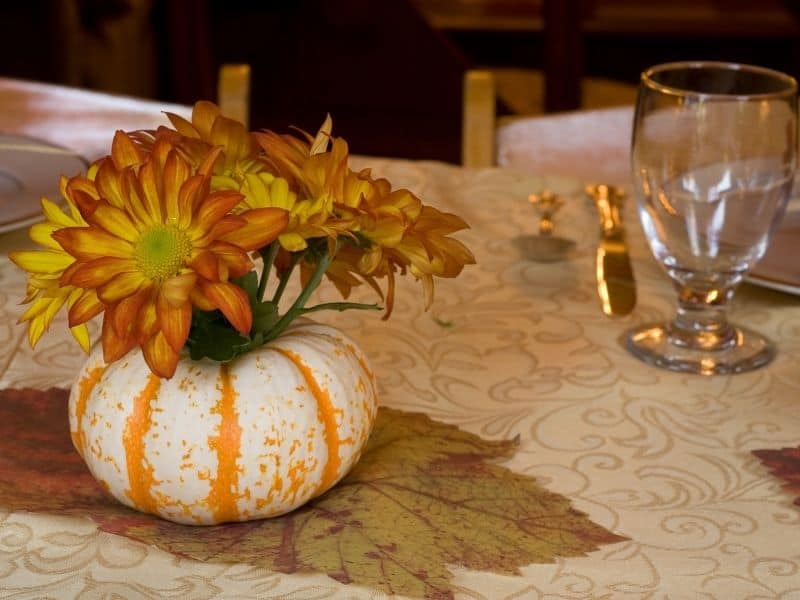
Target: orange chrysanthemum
[[158, 233], [158, 242], [239, 155], [396, 232], [402, 235]]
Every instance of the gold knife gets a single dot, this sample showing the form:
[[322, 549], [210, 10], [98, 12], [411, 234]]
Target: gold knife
[[615, 284]]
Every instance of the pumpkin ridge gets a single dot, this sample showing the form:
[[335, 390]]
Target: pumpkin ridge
[[222, 499], [140, 471], [326, 414], [362, 362], [85, 387], [337, 340]]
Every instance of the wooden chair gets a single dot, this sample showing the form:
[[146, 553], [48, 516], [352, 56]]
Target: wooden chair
[[233, 92], [489, 140], [478, 119]]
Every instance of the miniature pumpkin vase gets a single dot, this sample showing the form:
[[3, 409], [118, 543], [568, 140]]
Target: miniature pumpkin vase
[[253, 438]]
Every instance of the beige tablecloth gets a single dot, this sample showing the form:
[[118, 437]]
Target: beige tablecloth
[[660, 458]]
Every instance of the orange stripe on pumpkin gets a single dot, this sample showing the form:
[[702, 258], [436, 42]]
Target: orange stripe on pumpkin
[[85, 387], [326, 413], [140, 471], [224, 488]]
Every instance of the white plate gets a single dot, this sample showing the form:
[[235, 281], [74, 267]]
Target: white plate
[[780, 267], [30, 169]]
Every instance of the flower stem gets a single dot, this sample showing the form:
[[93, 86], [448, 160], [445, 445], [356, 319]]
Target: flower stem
[[340, 306], [269, 259], [297, 308], [295, 257]]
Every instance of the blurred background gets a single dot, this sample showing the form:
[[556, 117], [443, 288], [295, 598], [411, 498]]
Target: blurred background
[[389, 71]]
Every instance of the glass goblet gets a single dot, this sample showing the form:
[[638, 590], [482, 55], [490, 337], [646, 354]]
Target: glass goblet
[[713, 157]]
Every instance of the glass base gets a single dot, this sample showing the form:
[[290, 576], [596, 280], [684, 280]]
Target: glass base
[[651, 344]]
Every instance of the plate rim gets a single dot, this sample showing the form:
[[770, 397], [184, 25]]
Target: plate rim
[[20, 222]]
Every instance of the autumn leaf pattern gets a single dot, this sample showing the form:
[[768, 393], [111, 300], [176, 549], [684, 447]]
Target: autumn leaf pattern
[[784, 464], [424, 497]]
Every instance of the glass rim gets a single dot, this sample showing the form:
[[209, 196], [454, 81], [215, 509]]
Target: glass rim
[[648, 81]]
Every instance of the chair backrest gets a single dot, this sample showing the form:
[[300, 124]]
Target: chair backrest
[[233, 92], [478, 119]]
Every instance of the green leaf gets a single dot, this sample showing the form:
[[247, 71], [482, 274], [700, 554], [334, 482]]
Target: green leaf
[[265, 315], [443, 323], [249, 283], [424, 497], [218, 342], [213, 337]]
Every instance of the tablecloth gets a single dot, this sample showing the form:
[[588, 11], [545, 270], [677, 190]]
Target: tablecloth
[[660, 458]]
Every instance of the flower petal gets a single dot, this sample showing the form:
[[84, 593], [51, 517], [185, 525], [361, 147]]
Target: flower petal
[[83, 185], [81, 335], [181, 125], [147, 321], [226, 225], [36, 308], [205, 264], [232, 301], [124, 152], [87, 243], [323, 137], [42, 234], [125, 313], [188, 197], [124, 284], [200, 301], [53, 213], [174, 322], [109, 185], [215, 206], [234, 258], [232, 136], [263, 226], [176, 172], [114, 347], [86, 307], [46, 310], [160, 356], [99, 271], [206, 168], [113, 220], [41, 261], [150, 181], [204, 114], [177, 290]]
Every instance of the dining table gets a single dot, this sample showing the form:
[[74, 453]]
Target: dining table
[[666, 469]]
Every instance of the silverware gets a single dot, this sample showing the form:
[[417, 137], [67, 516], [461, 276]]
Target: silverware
[[546, 247], [615, 284]]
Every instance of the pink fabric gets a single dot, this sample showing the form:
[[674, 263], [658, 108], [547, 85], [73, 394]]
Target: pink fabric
[[592, 146], [78, 119]]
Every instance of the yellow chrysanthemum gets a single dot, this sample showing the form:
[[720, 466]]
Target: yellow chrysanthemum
[[307, 218], [157, 242], [389, 230], [315, 174], [45, 296]]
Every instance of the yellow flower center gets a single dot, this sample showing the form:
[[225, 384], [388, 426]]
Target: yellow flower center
[[161, 252]]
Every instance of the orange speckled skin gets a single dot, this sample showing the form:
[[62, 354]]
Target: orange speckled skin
[[254, 438]]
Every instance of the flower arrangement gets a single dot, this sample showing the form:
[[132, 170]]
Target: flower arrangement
[[159, 237]]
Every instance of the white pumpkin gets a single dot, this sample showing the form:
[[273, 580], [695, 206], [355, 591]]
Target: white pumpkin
[[254, 438]]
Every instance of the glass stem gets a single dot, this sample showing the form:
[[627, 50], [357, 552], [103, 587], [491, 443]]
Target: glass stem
[[701, 322]]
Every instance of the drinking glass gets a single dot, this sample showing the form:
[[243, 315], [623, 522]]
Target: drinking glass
[[713, 158]]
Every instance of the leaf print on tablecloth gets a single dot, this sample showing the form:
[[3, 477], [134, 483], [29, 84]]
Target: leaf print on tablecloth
[[424, 497], [784, 464]]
